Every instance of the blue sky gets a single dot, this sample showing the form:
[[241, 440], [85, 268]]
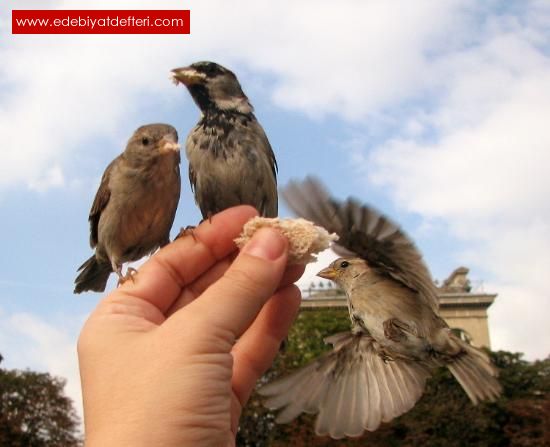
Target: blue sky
[[434, 112]]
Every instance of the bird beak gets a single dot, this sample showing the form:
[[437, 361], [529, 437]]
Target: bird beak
[[167, 145], [328, 273], [187, 76]]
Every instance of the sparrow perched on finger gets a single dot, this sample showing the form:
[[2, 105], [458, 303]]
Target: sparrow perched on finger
[[378, 370], [230, 159], [134, 207]]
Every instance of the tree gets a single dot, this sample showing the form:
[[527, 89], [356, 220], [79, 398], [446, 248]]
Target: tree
[[444, 416], [34, 411]]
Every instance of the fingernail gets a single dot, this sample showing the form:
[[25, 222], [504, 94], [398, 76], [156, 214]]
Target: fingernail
[[266, 244]]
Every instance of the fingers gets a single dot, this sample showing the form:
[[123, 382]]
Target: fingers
[[291, 275], [254, 352], [161, 279], [232, 303], [191, 292]]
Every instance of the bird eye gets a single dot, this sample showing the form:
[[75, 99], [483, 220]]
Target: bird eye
[[145, 141], [344, 264]]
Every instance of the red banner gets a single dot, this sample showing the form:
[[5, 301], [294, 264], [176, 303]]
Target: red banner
[[100, 22]]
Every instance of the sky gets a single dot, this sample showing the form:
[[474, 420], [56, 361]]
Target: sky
[[436, 113]]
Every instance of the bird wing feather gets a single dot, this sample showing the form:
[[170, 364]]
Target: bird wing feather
[[350, 388], [265, 146], [192, 178], [364, 232], [269, 203], [101, 200]]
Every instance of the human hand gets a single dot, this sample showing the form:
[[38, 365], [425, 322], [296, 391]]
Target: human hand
[[171, 358]]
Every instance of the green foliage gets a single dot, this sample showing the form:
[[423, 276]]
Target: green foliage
[[34, 411], [444, 416], [305, 340]]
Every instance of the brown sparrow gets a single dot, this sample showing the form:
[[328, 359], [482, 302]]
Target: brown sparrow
[[378, 370], [134, 207]]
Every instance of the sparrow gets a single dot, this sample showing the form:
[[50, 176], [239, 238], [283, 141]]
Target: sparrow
[[378, 370], [230, 159], [134, 207]]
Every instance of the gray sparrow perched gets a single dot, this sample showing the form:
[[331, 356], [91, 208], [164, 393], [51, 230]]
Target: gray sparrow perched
[[230, 159], [134, 207], [378, 370]]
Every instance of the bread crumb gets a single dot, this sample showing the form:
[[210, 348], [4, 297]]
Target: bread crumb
[[305, 238]]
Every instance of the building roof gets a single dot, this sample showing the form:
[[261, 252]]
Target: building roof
[[455, 292]]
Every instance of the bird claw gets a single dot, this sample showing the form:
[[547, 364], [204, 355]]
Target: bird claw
[[185, 231], [208, 218], [130, 272]]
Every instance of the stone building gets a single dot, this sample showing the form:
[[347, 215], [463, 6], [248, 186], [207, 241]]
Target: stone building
[[463, 307]]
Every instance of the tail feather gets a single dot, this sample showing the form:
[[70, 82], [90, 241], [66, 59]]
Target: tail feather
[[475, 373], [93, 276]]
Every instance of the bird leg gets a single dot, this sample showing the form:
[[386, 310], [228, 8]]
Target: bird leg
[[208, 217], [130, 272], [185, 231]]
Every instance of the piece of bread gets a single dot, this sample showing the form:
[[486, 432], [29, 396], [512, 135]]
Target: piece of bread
[[305, 239]]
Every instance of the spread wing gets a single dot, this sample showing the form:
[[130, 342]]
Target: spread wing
[[350, 388], [366, 233], [101, 199]]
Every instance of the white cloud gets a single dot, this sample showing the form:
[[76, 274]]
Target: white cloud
[[481, 166], [465, 90], [52, 178], [60, 92], [505, 151], [356, 59], [43, 346], [518, 313]]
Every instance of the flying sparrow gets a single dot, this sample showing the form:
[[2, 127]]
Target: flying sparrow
[[134, 207], [378, 370]]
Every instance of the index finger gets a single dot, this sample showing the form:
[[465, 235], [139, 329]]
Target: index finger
[[161, 279]]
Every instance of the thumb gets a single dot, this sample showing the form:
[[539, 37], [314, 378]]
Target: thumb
[[233, 302]]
